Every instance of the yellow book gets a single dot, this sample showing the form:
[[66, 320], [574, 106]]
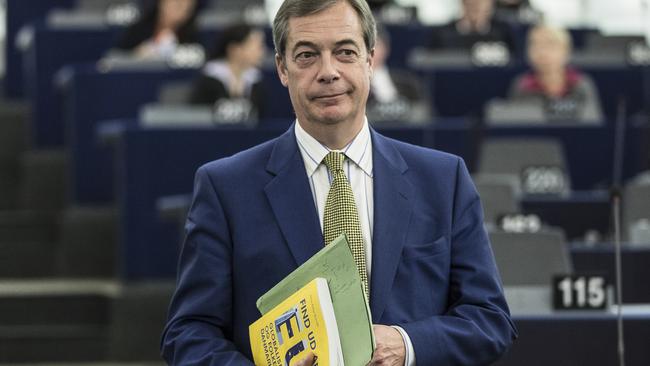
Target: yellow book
[[303, 322]]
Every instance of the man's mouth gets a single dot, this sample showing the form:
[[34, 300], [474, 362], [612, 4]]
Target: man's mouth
[[329, 96]]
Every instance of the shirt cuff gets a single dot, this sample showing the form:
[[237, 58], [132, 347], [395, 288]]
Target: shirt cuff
[[409, 359]]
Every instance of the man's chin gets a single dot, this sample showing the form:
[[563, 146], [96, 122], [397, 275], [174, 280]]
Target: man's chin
[[331, 116]]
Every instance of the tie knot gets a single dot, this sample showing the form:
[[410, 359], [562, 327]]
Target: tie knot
[[334, 161]]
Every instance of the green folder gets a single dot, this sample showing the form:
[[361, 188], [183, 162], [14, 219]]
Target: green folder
[[335, 263]]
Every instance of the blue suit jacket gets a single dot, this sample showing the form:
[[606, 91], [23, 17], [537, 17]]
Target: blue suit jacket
[[253, 221]]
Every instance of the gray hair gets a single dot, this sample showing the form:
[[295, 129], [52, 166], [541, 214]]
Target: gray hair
[[300, 8]]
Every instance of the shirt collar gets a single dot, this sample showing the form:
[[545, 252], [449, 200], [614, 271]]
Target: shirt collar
[[359, 150]]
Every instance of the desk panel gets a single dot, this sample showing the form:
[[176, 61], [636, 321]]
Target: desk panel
[[635, 264], [92, 96], [151, 164], [20, 13], [49, 51], [589, 150], [571, 340], [464, 91], [578, 213]]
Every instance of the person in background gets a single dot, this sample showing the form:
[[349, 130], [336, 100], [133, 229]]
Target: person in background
[[565, 92], [517, 11], [395, 95], [231, 71], [160, 30], [476, 24]]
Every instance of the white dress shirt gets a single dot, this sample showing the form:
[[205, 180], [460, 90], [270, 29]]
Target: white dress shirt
[[358, 169]]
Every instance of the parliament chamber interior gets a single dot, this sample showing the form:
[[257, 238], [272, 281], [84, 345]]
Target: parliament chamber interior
[[103, 128]]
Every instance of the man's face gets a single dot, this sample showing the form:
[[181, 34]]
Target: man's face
[[327, 67]]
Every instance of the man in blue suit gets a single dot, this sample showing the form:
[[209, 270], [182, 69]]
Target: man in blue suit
[[435, 293]]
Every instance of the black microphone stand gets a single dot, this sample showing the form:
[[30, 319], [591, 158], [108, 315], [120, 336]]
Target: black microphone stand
[[615, 194]]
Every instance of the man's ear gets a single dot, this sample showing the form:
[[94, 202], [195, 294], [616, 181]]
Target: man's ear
[[282, 69]]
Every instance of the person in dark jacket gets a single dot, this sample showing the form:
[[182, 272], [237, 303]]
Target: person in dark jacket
[[477, 24], [165, 25], [517, 11], [395, 95], [231, 72]]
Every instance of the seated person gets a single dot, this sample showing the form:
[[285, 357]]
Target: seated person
[[161, 29], [476, 25], [395, 95], [231, 73], [517, 11], [565, 93]]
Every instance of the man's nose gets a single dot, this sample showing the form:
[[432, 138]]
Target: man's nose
[[328, 72]]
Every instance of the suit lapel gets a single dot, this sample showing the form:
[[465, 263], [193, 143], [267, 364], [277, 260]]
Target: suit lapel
[[291, 199], [391, 219], [292, 203]]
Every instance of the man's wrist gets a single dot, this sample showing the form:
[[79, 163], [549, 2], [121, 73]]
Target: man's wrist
[[409, 354]]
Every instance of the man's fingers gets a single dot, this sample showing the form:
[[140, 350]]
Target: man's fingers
[[390, 346], [308, 360]]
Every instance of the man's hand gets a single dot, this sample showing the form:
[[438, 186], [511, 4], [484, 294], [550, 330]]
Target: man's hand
[[307, 360], [390, 350]]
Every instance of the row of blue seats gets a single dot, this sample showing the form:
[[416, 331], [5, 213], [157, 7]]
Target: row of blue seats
[[152, 163], [91, 96], [22, 13], [64, 45], [456, 91], [52, 49]]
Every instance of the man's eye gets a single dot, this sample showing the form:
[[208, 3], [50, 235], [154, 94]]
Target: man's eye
[[347, 53], [303, 56]]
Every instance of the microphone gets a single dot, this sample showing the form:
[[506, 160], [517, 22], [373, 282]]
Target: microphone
[[616, 209], [615, 194]]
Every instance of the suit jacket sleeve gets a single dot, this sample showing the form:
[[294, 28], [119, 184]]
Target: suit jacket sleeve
[[199, 328], [476, 328]]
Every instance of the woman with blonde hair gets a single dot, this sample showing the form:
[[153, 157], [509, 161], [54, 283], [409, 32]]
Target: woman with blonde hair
[[566, 93]]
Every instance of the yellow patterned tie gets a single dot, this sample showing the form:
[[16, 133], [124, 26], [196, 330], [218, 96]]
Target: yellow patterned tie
[[341, 214]]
